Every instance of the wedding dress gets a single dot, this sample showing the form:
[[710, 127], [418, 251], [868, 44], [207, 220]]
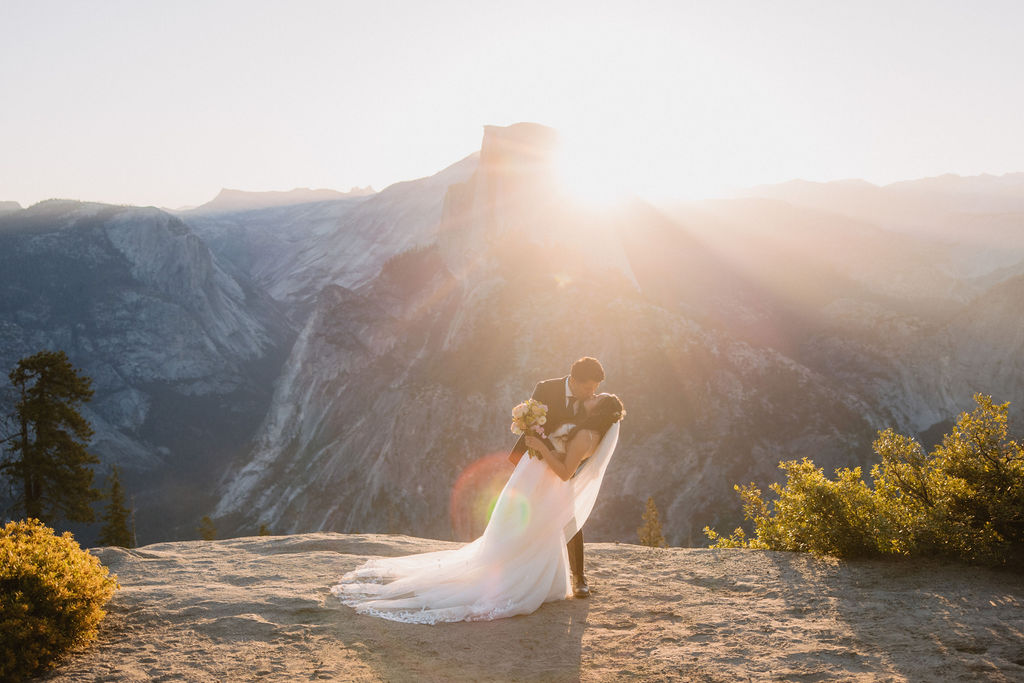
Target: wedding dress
[[519, 562]]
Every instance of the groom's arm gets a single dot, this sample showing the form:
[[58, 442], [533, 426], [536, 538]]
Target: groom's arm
[[520, 447]]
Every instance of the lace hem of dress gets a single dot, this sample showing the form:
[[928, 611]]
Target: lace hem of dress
[[424, 615]]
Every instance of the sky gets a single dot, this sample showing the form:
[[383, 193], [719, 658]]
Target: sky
[[165, 103]]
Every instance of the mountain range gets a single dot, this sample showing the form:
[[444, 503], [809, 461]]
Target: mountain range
[[348, 362]]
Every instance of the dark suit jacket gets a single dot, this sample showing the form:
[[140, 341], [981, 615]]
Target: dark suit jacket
[[550, 392]]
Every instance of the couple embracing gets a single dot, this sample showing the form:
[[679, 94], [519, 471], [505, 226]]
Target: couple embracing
[[531, 551]]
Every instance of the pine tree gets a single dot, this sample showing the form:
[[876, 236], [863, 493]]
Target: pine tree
[[50, 460], [207, 531], [115, 520], [650, 532], [264, 531]]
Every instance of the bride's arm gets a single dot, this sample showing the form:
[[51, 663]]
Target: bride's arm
[[552, 459], [579, 449]]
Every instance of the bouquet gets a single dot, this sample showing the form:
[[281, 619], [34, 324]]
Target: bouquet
[[529, 416]]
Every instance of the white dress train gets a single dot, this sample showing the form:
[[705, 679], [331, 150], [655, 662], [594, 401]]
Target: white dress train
[[519, 562]]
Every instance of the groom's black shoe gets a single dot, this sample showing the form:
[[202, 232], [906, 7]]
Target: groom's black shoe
[[580, 589]]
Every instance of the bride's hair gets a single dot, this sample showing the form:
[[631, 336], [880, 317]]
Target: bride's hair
[[608, 411]]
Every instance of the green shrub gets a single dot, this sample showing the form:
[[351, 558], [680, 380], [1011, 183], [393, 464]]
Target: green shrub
[[207, 530], [812, 514], [51, 594], [965, 500], [650, 532]]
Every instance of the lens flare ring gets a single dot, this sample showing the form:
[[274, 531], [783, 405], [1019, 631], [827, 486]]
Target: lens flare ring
[[475, 494]]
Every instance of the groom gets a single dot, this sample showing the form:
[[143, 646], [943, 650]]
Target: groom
[[564, 397]]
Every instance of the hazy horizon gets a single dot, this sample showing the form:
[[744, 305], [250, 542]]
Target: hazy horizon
[[736, 191], [129, 104]]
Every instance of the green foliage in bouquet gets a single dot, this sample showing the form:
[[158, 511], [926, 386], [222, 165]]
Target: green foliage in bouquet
[[964, 500], [51, 597]]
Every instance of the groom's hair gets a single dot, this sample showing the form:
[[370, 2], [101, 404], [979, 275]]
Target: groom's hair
[[587, 369]]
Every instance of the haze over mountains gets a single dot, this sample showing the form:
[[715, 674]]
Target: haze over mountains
[[241, 200], [345, 363]]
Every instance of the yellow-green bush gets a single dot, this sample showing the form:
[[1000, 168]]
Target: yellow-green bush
[[51, 595], [812, 514], [964, 500]]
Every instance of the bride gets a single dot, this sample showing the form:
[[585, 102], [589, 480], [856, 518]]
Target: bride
[[520, 561]]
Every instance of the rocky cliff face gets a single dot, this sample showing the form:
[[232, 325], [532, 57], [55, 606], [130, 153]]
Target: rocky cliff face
[[942, 275], [296, 250], [181, 354], [922, 369]]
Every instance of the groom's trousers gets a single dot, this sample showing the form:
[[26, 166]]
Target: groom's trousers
[[575, 547]]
